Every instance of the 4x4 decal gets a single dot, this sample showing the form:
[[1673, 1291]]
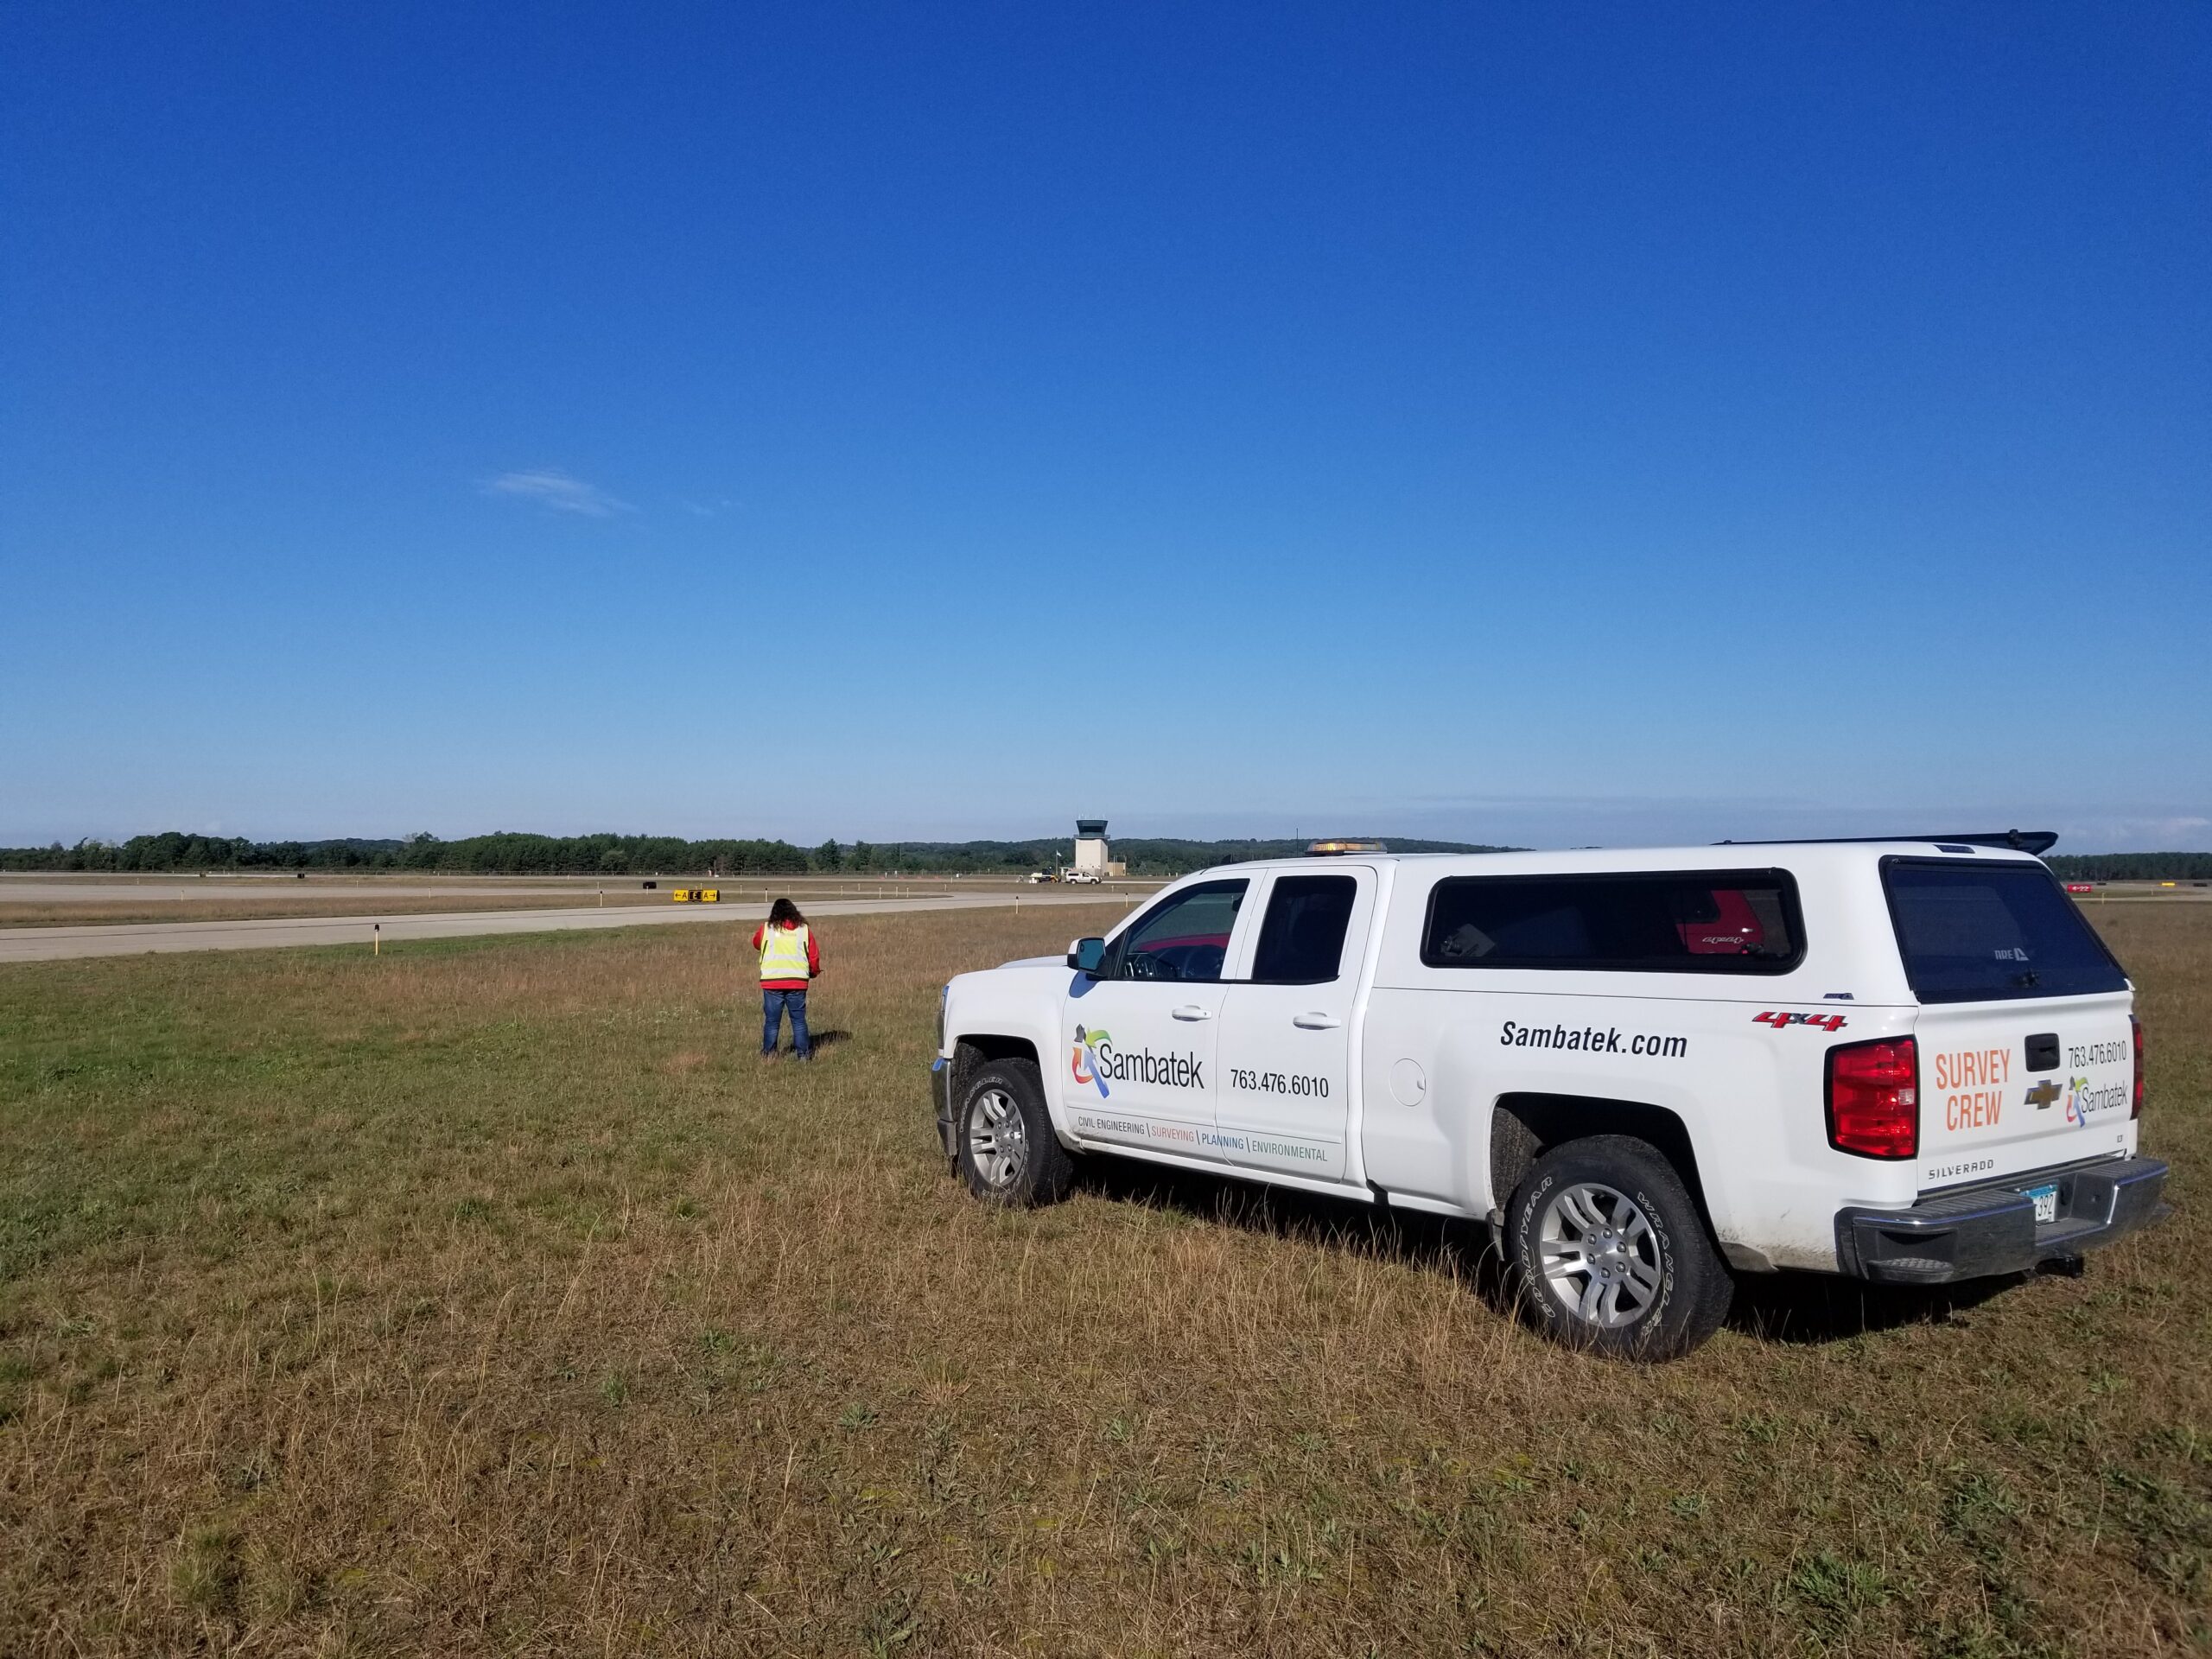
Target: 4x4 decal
[[1824, 1021]]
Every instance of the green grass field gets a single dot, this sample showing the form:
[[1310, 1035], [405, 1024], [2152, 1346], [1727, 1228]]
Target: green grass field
[[492, 1296]]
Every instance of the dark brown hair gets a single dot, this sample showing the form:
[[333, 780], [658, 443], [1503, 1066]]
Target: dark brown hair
[[784, 911]]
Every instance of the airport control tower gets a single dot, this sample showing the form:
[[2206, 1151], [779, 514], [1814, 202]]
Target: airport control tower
[[1092, 856]]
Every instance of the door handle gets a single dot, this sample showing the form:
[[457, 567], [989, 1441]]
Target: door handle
[[1191, 1011], [1315, 1021]]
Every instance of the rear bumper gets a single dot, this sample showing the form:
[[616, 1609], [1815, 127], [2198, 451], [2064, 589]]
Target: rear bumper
[[1993, 1230], [941, 1090]]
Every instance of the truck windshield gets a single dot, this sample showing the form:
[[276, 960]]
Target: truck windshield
[[1987, 933]]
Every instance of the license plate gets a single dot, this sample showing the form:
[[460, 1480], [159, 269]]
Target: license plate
[[2046, 1199]]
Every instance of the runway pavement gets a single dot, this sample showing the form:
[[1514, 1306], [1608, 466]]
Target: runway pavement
[[52, 890], [56, 943]]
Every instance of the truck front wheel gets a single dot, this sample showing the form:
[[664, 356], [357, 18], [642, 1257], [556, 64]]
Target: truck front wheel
[[1008, 1154], [1611, 1253]]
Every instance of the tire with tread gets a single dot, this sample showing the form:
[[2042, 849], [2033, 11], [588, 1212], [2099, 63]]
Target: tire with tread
[[1046, 1166], [1693, 1287]]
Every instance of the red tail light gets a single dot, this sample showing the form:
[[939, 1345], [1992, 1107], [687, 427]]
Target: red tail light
[[1873, 1091], [2136, 1025]]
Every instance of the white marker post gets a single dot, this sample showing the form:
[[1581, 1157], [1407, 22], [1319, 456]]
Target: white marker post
[[376, 939]]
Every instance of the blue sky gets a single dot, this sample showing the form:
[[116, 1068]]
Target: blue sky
[[1549, 424]]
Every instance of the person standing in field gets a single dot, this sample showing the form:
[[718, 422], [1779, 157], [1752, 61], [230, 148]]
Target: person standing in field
[[789, 958]]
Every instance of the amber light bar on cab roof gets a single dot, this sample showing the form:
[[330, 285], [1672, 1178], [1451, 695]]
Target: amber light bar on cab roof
[[1332, 849]]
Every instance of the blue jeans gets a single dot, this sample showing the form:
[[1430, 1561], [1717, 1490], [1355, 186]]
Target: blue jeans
[[774, 1006]]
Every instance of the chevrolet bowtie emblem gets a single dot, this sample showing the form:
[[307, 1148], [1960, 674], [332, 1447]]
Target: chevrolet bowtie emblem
[[2043, 1093]]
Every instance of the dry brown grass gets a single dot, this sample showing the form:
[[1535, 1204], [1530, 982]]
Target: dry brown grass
[[491, 1295]]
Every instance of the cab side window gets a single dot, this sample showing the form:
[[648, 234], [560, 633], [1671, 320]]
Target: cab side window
[[1184, 938], [1302, 936]]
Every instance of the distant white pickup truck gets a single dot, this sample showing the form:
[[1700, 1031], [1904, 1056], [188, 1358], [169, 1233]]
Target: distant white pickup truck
[[1910, 1061]]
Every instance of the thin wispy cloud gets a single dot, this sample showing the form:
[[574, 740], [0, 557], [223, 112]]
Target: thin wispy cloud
[[551, 488]]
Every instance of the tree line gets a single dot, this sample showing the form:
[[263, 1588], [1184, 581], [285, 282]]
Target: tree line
[[513, 853], [2132, 866], [508, 853]]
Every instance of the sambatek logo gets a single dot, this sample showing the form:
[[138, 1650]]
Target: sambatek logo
[[2081, 1100], [1095, 1059], [1086, 1063]]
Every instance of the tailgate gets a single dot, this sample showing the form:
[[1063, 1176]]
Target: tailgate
[[2027, 1057], [2009, 1088]]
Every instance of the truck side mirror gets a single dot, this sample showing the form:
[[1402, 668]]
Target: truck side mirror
[[1088, 956]]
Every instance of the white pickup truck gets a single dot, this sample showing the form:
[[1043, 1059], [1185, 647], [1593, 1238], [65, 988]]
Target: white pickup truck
[[1912, 1061]]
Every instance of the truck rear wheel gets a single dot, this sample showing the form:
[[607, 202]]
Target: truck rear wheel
[[1008, 1153], [1611, 1254]]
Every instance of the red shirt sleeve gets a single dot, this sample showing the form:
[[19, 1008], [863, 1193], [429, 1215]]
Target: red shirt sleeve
[[757, 932], [813, 954]]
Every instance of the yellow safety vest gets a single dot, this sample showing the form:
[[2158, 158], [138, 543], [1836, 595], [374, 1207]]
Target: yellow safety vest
[[783, 951]]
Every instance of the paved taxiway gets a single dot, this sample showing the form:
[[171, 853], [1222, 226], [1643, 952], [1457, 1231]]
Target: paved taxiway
[[60, 890], [54, 943]]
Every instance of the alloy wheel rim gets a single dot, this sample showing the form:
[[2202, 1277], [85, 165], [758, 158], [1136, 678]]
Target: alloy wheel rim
[[998, 1138], [1599, 1255]]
